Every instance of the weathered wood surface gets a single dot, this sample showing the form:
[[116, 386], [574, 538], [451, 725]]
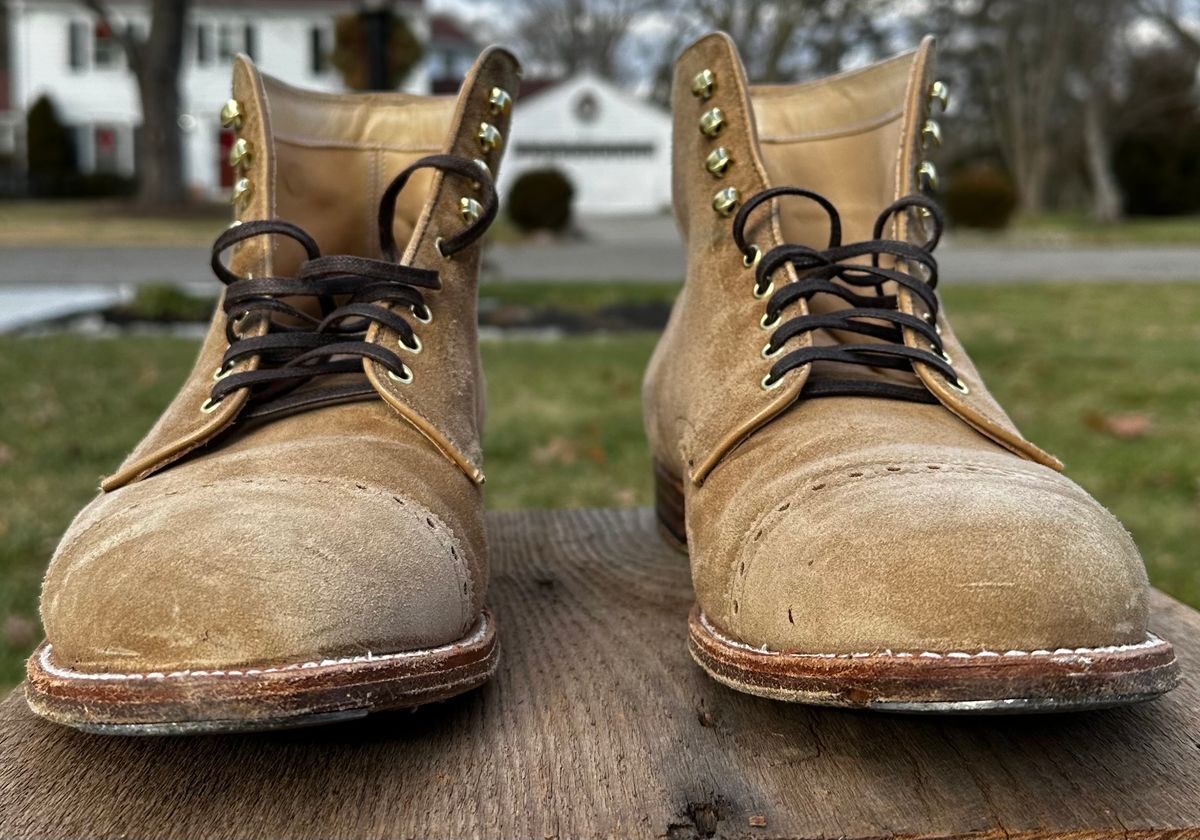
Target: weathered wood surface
[[598, 724]]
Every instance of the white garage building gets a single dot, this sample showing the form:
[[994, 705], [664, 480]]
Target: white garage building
[[614, 147]]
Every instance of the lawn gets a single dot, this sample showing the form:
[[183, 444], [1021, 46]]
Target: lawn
[[1081, 229], [1103, 375]]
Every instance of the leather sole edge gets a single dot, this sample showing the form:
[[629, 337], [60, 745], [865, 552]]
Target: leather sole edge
[[257, 699], [933, 683]]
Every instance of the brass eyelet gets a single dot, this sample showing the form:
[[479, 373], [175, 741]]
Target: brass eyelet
[[223, 371], [768, 353], [927, 176], [209, 405], [703, 84], [712, 122], [238, 322], [241, 153], [765, 292], [751, 261], [726, 201], [960, 386], [939, 93], [767, 385], [437, 246], [764, 324], [499, 101], [231, 114], [944, 356], [242, 190], [931, 134], [415, 349], [718, 162], [470, 209], [427, 318], [489, 137], [403, 378]]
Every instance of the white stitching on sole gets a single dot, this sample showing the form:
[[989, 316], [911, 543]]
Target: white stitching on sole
[[67, 673], [1150, 642]]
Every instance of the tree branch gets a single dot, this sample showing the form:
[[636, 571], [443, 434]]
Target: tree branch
[[131, 46]]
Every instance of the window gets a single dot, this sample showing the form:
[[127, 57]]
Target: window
[[225, 46], [203, 44], [106, 49], [319, 50], [106, 146], [225, 174], [77, 45], [250, 40]]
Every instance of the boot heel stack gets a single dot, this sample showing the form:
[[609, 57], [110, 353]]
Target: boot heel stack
[[669, 507]]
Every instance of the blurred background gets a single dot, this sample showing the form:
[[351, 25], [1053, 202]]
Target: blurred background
[[1069, 167]]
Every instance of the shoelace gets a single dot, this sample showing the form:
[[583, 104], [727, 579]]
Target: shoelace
[[351, 293], [876, 315]]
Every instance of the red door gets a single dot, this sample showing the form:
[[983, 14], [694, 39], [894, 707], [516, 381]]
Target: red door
[[224, 144]]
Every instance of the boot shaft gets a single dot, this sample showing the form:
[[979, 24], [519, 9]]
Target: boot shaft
[[855, 140], [322, 162]]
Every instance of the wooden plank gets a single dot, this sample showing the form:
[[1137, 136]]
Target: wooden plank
[[598, 724]]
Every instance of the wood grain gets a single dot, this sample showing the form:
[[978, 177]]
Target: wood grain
[[599, 725]]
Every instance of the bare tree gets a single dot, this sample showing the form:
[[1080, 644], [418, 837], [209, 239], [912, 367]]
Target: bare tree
[[567, 36], [779, 40], [155, 60], [1170, 15], [1097, 58]]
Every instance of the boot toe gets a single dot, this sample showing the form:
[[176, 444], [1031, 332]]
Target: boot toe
[[250, 571], [938, 557]]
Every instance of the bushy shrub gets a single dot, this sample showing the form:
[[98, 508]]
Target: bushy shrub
[[51, 150], [540, 199], [980, 196], [352, 50], [1157, 157]]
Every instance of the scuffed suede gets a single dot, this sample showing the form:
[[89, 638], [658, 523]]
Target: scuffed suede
[[227, 542], [854, 524]]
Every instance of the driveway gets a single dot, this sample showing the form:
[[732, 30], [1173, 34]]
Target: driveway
[[613, 249]]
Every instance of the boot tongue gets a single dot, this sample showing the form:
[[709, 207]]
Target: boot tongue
[[840, 137], [335, 154]]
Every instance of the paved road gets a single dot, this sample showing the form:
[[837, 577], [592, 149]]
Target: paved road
[[624, 249]]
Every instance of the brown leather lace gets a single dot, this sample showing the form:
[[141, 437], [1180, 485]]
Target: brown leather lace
[[351, 293], [829, 271]]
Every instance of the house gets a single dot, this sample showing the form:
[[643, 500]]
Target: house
[[613, 146], [59, 48], [449, 54]]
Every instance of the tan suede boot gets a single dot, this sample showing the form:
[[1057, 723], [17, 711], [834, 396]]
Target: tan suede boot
[[300, 537], [866, 525]]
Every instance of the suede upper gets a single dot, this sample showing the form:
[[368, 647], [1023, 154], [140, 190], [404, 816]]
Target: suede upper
[[853, 523], [225, 541]]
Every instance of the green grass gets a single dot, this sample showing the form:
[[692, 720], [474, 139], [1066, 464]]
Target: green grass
[[564, 425], [111, 221], [575, 297], [165, 302], [1080, 229], [107, 222]]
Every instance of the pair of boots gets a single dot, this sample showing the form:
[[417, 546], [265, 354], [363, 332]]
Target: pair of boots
[[300, 537]]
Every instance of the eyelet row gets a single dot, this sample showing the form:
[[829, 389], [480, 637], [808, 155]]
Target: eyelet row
[[719, 160], [241, 154], [491, 142], [926, 174]]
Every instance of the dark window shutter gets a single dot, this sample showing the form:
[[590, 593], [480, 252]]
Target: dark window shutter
[[251, 40], [316, 47], [203, 43], [77, 34]]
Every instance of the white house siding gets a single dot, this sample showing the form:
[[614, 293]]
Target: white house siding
[[615, 151], [94, 97]]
